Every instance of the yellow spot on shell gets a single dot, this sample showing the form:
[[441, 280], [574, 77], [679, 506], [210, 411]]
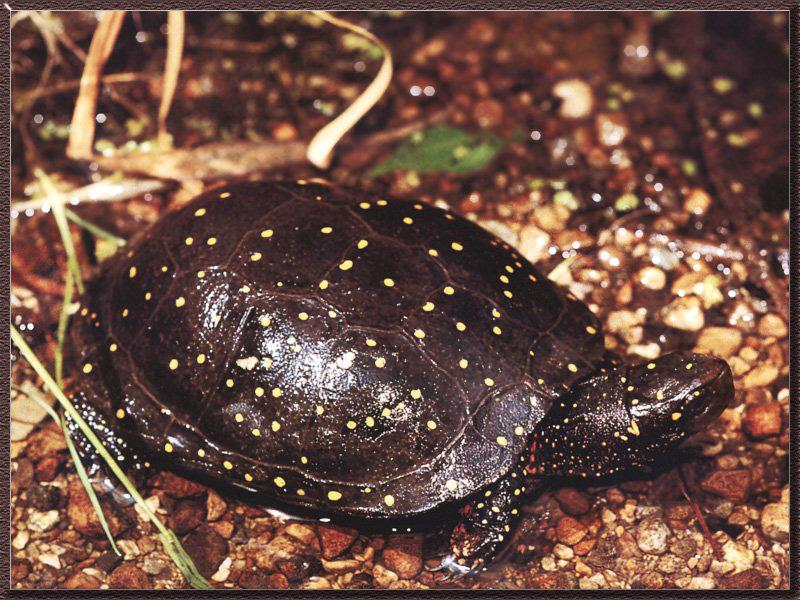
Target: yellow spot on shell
[[456, 246], [503, 278], [211, 241], [660, 395], [451, 485], [326, 230], [371, 342], [148, 295], [87, 368], [303, 316], [201, 358], [416, 394], [362, 244], [256, 432], [369, 421], [333, 495], [463, 363], [380, 362], [448, 290], [120, 413], [590, 330], [255, 256], [239, 417], [351, 424], [319, 410], [201, 453], [229, 383], [113, 347], [348, 264], [386, 412], [173, 364], [265, 321], [388, 499], [502, 441], [496, 330], [267, 233], [300, 492], [168, 447], [489, 381], [518, 430], [199, 212], [164, 269], [227, 464], [688, 366], [279, 481], [180, 301], [428, 306], [419, 334], [275, 426], [495, 313], [323, 285], [431, 425], [277, 393], [259, 391], [388, 282], [132, 272], [125, 313], [304, 460], [381, 203], [676, 416]]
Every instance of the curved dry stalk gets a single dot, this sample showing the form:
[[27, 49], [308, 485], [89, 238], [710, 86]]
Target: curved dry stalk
[[82, 126], [176, 32], [321, 146]]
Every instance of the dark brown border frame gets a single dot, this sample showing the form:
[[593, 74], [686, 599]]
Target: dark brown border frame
[[5, 280]]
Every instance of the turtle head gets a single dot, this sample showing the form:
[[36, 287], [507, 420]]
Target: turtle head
[[627, 417], [677, 395]]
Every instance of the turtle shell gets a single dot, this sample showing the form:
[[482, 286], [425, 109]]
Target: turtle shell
[[328, 348]]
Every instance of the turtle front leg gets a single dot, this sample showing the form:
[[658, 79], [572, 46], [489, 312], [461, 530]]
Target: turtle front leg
[[484, 524]]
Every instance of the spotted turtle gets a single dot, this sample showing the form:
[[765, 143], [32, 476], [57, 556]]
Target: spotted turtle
[[366, 357]]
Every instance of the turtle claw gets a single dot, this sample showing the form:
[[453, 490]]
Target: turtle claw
[[454, 570]]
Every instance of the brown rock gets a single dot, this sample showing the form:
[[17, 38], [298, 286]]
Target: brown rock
[[572, 501], [382, 576], [254, 580], [49, 466], [20, 569], [187, 515], [403, 555], [570, 531], [81, 581], [83, 517], [488, 113], [335, 539], [626, 546], [129, 577], [719, 341], [750, 579], [583, 547], [772, 325], [763, 420], [206, 548], [45, 442], [760, 376], [177, 487], [223, 528], [215, 506], [298, 567], [733, 485], [277, 581], [653, 580], [301, 532]]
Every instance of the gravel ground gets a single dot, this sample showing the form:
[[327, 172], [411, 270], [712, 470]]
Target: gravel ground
[[640, 191]]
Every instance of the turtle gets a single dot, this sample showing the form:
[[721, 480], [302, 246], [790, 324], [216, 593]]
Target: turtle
[[369, 358]]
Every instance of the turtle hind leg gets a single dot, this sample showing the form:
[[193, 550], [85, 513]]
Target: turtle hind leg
[[484, 525], [98, 471]]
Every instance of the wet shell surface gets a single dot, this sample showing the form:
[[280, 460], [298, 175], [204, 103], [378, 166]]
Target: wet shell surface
[[328, 348]]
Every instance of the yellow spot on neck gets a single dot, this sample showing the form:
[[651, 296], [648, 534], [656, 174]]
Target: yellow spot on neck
[[333, 495]]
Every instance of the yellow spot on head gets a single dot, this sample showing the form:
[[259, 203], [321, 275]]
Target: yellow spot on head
[[87, 368], [388, 282], [348, 264], [173, 364], [333, 495], [326, 230], [267, 233], [388, 499], [279, 481], [227, 464]]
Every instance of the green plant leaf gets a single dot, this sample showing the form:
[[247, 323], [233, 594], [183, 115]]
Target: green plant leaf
[[442, 149]]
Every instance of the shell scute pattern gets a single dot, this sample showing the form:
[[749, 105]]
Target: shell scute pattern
[[349, 353]]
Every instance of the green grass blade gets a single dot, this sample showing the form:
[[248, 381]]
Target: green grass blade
[[93, 229], [172, 545], [63, 229], [63, 320]]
